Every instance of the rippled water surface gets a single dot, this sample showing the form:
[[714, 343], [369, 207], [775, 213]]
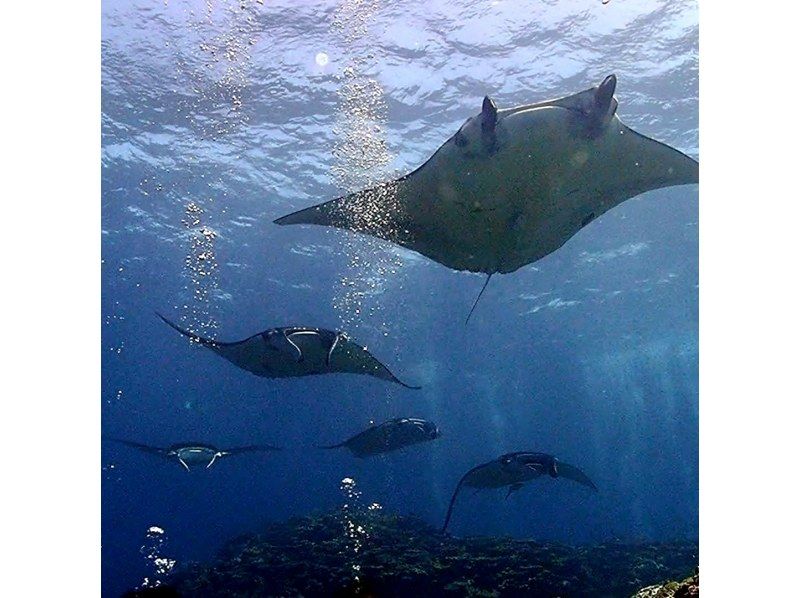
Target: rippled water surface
[[218, 117]]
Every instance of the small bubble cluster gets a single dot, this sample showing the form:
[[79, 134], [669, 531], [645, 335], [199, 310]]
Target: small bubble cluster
[[201, 264], [158, 565], [354, 523], [217, 71], [360, 160]]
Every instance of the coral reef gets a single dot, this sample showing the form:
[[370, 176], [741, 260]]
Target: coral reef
[[688, 588], [375, 554]]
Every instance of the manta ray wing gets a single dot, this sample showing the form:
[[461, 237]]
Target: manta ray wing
[[353, 358], [142, 447], [246, 354], [375, 211], [570, 472], [397, 212], [645, 164], [254, 448]]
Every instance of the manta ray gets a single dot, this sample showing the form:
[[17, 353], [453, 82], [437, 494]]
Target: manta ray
[[389, 436], [514, 470], [296, 351], [195, 454], [512, 186]]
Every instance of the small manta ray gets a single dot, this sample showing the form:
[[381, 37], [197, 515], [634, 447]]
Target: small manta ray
[[195, 454], [512, 186], [296, 351], [389, 436], [514, 470]]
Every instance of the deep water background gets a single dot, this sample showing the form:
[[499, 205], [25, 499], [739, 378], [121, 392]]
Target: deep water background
[[219, 117]]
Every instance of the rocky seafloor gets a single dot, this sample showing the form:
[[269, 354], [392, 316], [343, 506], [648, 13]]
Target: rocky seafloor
[[375, 554]]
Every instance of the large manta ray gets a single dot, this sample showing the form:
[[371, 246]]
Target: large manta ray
[[513, 470], [191, 454], [513, 185], [296, 351]]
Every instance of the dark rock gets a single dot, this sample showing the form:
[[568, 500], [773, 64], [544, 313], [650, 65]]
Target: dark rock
[[379, 555], [688, 588]]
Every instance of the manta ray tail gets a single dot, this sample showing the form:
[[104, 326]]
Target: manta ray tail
[[453, 500], [474, 305]]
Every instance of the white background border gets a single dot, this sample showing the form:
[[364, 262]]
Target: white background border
[[50, 310], [749, 299]]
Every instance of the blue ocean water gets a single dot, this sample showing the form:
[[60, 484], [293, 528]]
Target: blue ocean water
[[219, 117]]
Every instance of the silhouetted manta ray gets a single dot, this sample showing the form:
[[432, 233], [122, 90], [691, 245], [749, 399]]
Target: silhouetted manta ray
[[389, 436], [513, 185], [192, 454], [514, 470], [296, 351]]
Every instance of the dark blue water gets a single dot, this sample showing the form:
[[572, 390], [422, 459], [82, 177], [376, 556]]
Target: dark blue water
[[219, 117]]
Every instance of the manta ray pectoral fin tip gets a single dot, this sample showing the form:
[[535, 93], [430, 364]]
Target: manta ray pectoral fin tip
[[401, 383], [319, 214], [293, 218]]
